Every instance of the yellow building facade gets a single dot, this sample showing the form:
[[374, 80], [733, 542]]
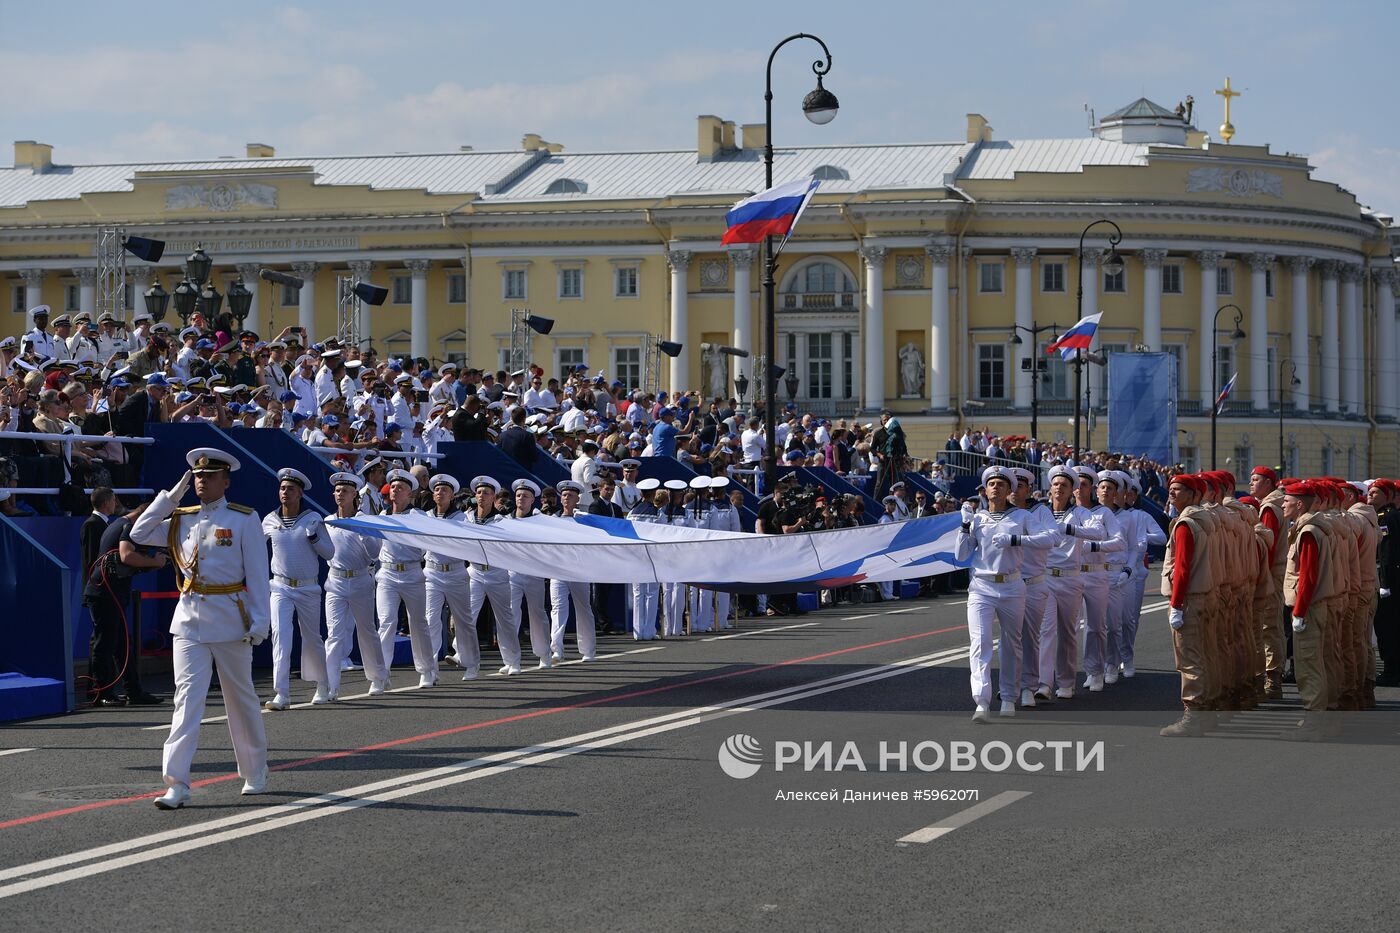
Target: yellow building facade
[[902, 287]]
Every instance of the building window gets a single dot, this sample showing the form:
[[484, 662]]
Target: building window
[[991, 370], [1115, 282], [1269, 281], [403, 289], [1352, 466], [398, 345], [1171, 279], [625, 282], [1178, 351], [824, 278], [291, 296], [1326, 460], [989, 277], [70, 296], [568, 359], [627, 366], [513, 284], [1224, 279], [454, 348], [17, 293], [847, 340], [571, 283], [457, 288], [1056, 380], [1224, 367], [819, 365], [1244, 457], [1052, 277]]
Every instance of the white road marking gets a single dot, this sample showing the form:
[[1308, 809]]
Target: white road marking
[[895, 612], [1153, 607], [14, 751], [868, 615], [978, 810], [241, 825], [760, 631]]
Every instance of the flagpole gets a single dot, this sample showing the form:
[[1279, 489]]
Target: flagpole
[[1114, 259], [1215, 369], [820, 107]]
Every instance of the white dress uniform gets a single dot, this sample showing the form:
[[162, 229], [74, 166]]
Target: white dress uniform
[[400, 580], [305, 390], [1033, 567], [1059, 630], [447, 584], [560, 593], [724, 517], [702, 601], [219, 550], [626, 496], [1142, 529], [350, 603], [45, 344], [1102, 567], [326, 388], [673, 594], [298, 547], [886, 586], [644, 595], [489, 583], [534, 592]]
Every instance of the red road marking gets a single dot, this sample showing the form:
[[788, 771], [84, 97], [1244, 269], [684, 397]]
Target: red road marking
[[392, 743]]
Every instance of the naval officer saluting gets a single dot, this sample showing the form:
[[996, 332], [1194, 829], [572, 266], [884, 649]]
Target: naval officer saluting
[[224, 610]]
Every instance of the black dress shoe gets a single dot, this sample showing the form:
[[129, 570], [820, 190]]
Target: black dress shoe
[[107, 702], [144, 699]]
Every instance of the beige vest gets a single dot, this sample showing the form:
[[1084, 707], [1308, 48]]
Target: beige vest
[[1308, 524], [1273, 502], [1197, 520], [1368, 537]]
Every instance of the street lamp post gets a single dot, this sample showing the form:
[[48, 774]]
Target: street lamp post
[[1292, 382], [1035, 362], [820, 106], [1215, 368], [1114, 264]]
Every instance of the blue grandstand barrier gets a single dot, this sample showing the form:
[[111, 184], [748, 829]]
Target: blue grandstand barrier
[[34, 646]]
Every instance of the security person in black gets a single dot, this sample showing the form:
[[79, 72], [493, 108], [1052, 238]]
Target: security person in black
[[115, 650]]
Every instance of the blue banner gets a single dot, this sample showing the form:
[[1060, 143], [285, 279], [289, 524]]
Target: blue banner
[[1142, 405]]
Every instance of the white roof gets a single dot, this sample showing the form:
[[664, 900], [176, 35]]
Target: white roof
[[526, 176]]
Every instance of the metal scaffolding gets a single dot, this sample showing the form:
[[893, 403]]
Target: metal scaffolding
[[347, 311], [111, 272], [519, 357]]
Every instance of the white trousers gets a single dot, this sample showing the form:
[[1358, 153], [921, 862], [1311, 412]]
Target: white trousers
[[560, 592], [407, 588], [1037, 595], [992, 605], [644, 596], [702, 609], [538, 596], [886, 590], [451, 589], [1113, 635], [194, 663], [673, 601], [1095, 621], [1059, 632], [493, 585], [722, 600], [1132, 614], [305, 603], [350, 612]]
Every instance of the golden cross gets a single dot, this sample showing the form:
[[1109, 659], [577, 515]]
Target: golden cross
[[1227, 129]]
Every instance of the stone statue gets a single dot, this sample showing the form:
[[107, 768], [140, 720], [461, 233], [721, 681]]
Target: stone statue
[[716, 374], [911, 371], [1190, 106]]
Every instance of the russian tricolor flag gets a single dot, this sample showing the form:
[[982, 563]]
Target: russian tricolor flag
[[769, 213], [1225, 392], [1077, 338]]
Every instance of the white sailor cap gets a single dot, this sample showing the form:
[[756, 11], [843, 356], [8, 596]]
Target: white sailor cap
[[211, 460], [675, 484], [898, 485], [1023, 474], [402, 476], [998, 472], [189, 332], [370, 464], [648, 484], [140, 316], [719, 482], [1130, 482], [402, 378], [564, 485], [1111, 476], [629, 462], [447, 368], [346, 479], [444, 479], [296, 476], [479, 481], [62, 320], [889, 500], [331, 355], [700, 482], [7, 343], [40, 309], [524, 483], [1086, 473], [1064, 471]]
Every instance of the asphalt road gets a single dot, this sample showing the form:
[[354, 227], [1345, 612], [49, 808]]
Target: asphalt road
[[592, 797]]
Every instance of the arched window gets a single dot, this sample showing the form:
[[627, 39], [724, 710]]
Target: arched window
[[567, 186], [824, 277], [818, 283], [831, 173]]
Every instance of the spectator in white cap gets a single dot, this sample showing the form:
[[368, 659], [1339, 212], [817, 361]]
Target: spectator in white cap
[[491, 582], [533, 590], [891, 514], [584, 471], [298, 547], [446, 578], [350, 592], [562, 591], [901, 501], [401, 582]]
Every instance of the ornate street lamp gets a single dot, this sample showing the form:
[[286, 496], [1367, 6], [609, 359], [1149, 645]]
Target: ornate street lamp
[[210, 301], [790, 380], [157, 300], [186, 295], [1037, 366], [1215, 368], [1293, 382], [240, 300], [197, 266], [1113, 265]]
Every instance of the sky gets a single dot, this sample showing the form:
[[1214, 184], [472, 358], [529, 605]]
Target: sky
[[170, 81]]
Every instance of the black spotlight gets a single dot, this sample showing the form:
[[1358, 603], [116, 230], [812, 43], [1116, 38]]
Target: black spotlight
[[540, 325], [281, 278], [370, 293], [669, 347], [144, 248]]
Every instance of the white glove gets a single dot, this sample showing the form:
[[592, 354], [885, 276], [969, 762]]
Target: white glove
[[1122, 578], [253, 638], [1176, 618], [968, 513], [1067, 529], [1299, 624], [313, 531], [1385, 593], [177, 492], [1001, 539]]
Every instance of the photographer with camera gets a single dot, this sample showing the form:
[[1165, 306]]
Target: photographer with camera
[[787, 511]]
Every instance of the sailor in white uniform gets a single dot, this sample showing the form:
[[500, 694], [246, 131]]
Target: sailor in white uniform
[[400, 580], [702, 601], [673, 594], [644, 595], [723, 517], [350, 593], [1102, 585], [1059, 629], [533, 590], [223, 611], [492, 583], [1142, 531], [562, 591], [447, 582], [298, 547], [627, 494]]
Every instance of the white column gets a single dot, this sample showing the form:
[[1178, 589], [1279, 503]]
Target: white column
[[306, 301], [249, 273], [1207, 260], [1152, 260], [940, 362], [874, 257], [1387, 370], [1353, 396], [679, 260], [140, 281], [361, 269], [87, 289], [1259, 329], [419, 314], [1089, 279], [1330, 388], [743, 260], [1298, 342], [33, 292], [1021, 379]]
